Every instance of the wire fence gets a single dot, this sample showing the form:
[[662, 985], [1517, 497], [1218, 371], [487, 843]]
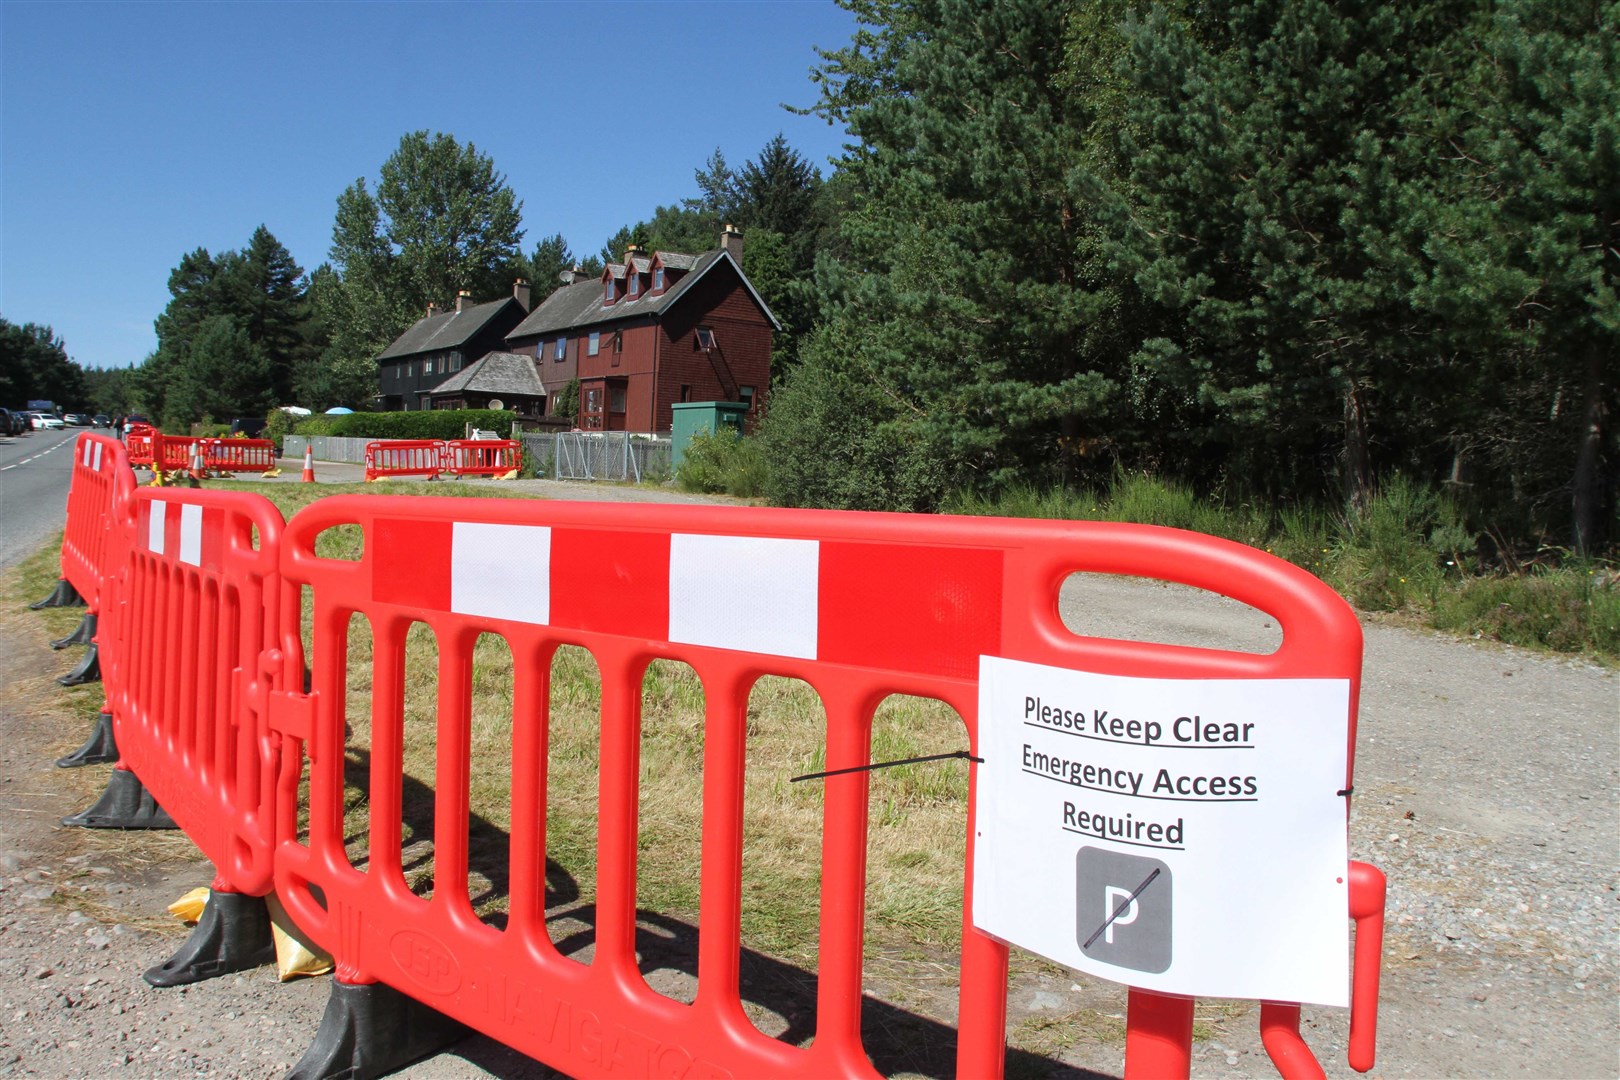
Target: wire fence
[[568, 455], [608, 455]]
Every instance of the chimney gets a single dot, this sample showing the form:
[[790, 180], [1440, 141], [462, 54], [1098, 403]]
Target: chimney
[[463, 301], [433, 309], [520, 292], [631, 252], [731, 239]]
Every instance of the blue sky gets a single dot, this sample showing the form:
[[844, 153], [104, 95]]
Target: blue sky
[[131, 133]]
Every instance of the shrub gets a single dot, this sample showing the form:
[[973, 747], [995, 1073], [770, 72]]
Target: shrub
[[723, 462], [427, 424], [277, 426], [1572, 609], [833, 439], [1394, 552]]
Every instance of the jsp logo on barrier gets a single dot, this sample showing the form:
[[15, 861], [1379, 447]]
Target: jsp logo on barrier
[[1122, 909]]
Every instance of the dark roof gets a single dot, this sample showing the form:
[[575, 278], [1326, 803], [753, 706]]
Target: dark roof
[[495, 373], [580, 305], [675, 260], [448, 331]]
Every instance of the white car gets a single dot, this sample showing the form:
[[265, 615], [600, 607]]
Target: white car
[[44, 420]]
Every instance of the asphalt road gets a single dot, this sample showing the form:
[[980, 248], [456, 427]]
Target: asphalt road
[[34, 473]]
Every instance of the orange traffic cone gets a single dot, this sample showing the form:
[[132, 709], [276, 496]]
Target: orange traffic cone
[[309, 464], [197, 472]]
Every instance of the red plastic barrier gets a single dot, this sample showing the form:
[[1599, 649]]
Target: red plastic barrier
[[482, 457], [619, 581], [172, 453], [101, 478], [197, 609], [404, 457], [238, 455], [139, 440]]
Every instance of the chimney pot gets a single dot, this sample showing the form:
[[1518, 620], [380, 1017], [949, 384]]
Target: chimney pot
[[463, 300]]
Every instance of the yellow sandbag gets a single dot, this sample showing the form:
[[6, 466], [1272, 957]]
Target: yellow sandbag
[[189, 908], [296, 955]]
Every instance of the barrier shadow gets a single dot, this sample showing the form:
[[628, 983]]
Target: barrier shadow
[[780, 995]]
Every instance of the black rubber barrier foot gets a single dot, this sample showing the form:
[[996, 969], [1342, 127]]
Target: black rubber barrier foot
[[84, 634], [126, 804], [64, 595], [370, 1029], [89, 670], [98, 749], [233, 934]]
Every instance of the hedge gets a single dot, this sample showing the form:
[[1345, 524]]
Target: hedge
[[428, 424]]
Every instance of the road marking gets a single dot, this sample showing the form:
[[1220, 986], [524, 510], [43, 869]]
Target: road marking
[[36, 457]]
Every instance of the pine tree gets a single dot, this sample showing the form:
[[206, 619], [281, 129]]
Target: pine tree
[[1269, 160], [968, 299], [272, 307], [1531, 242]]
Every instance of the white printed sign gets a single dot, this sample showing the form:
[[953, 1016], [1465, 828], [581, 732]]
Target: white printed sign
[[1179, 835]]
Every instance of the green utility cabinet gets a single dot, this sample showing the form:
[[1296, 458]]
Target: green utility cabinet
[[696, 417]]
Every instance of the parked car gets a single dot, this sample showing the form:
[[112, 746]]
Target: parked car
[[101, 420], [43, 421], [74, 419], [8, 423]]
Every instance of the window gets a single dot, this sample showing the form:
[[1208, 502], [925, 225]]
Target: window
[[611, 293], [658, 279], [705, 338], [686, 392], [745, 394], [616, 399], [618, 341], [635, 286], [455, 361], [561, 349], [595, 345]]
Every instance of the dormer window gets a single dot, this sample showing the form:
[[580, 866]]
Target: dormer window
[[610, 291], [658, 280], [635, 285]]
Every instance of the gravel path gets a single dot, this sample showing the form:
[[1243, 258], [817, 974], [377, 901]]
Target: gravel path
[[1486, 790]]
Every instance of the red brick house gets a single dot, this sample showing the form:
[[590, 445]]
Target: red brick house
[[657, 329]]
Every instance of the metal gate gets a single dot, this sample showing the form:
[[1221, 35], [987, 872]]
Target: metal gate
[[608, 456]]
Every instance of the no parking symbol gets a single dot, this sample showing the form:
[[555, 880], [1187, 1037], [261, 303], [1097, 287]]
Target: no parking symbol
[[1122, 908]]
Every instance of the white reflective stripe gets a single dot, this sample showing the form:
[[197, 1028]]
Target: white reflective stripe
[[97, 465], [85, 457], [747, 593], [500, 571], [191, 535], [154, 527]]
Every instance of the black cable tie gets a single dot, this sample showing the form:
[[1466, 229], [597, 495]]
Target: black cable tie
[[1346, 792], [888, 765]]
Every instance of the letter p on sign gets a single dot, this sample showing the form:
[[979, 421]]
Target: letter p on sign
[[1113, 897]]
